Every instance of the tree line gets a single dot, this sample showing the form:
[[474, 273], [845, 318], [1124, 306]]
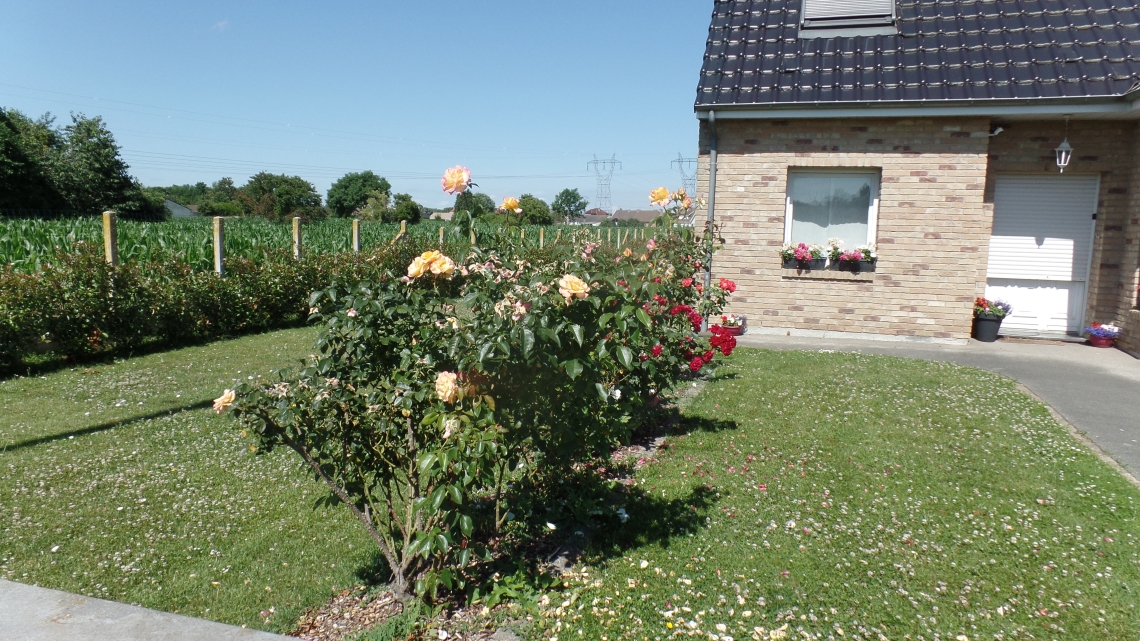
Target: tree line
[[79, 168]]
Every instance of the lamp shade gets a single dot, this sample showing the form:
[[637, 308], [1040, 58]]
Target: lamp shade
[[1064, 154]]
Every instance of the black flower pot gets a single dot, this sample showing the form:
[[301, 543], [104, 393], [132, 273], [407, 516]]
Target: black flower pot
[[819, 263], [986, 327], [856, 266]]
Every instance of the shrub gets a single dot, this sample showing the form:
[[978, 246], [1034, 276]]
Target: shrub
[[444, 398]]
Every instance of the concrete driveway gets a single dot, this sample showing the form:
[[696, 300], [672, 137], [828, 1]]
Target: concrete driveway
[[1095, 390], [30, 613]]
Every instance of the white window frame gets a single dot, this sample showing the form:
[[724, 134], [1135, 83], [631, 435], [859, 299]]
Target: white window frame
[[872, 211], [848, 17]]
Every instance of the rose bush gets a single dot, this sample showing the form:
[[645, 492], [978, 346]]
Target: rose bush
[[449, 393]]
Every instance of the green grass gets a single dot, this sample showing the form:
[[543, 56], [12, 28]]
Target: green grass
[[822, 491], [153, 503], [882, 497]]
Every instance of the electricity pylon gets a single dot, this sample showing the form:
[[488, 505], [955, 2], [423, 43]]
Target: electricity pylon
[[604, 169]]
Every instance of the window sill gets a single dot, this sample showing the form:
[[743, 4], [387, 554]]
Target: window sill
[[827, 274]]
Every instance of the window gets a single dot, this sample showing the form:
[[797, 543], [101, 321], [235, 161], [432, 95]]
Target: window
[[832, 204], [847, 13]]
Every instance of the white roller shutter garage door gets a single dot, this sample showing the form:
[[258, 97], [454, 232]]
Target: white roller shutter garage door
[[1040, 251]]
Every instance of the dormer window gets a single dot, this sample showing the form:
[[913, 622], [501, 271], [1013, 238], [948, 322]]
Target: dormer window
[[832, 14]]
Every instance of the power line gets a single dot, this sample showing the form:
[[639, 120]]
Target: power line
[[688, 169]]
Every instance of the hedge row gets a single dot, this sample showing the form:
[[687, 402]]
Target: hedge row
[[78, 306]]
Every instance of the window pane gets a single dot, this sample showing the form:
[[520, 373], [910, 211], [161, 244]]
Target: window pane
[[826, 206]]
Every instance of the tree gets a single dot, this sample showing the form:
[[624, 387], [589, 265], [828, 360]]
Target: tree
[[223, 191], [535, 211], [377, 206], [87, 169], [474, 203], [407, 209], [24, 145], [569, 204], [279, 197], [353, 190]]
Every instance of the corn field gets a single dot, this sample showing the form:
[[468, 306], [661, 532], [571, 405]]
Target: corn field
[[25, 245]]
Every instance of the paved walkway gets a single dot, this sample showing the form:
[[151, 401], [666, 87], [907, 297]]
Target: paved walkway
[[1096, 390], [28, 613]]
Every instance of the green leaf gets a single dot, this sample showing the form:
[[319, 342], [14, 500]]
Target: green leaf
[[578, 334], [644, 317], [625, 355], [602, 391], [466, 525], [426, 461], [527, 341], [604, 318], [573, 368]]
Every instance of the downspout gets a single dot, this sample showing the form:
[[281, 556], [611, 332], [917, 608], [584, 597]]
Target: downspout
[[712, 195]]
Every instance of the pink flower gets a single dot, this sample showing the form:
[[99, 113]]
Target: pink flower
[[456, 180], [651, 245], [688, 282], [351, 313]]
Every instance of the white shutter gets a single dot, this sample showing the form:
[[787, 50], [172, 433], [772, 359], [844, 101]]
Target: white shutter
[[1042, 227], [830, 9]]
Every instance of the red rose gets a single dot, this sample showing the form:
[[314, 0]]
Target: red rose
[[656, 351], [708, 356], [727, 285], [688, 282], [696, 364]]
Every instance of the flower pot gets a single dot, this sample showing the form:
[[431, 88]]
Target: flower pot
[[818, 263], [731, 330], [986, 327], [1101, 341], [855, 266]]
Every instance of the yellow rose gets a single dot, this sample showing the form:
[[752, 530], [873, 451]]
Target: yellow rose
[[443, 266], [659, 196], [223, 402], [510, 204], [570, 286], [456, 180], [627, 253], [417, 268], [446, 387]]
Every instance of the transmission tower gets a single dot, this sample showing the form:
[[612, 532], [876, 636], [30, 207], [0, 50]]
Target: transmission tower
[[604, 169], [688, 169]]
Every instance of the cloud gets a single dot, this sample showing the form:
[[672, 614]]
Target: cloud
[[221, 26]]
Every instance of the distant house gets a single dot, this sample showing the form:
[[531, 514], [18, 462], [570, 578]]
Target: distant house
[[178, 211], [590, 219], [597, 212], [442, 215], [641, 215]]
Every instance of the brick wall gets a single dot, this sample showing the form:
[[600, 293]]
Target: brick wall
[[1101, 147], [1127, 315], [933, 231]]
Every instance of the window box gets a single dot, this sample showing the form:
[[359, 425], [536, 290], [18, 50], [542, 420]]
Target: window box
[[854, 266], [816, 264]]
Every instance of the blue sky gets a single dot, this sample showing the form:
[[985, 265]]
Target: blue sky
[[521, 92]]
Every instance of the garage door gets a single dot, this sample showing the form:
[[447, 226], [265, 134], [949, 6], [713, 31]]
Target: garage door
[[1040, 251]]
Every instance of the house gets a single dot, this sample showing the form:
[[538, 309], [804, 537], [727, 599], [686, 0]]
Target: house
[[179, 211], [936, 130], [589, 219], [644, 216]]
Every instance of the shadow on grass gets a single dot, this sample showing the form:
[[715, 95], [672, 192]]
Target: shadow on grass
[[652, 521], [102, 427]]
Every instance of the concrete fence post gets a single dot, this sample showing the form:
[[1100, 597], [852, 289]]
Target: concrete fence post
[[541, 237], [111, 238], [472, 236], [296, 239], [558, 236], [441, 236], [355, 234], [220, 245]]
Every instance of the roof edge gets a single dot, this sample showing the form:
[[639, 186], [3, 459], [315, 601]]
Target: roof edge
[[1076, 106]]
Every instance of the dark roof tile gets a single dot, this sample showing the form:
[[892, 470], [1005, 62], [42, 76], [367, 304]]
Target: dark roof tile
[[944, 50]]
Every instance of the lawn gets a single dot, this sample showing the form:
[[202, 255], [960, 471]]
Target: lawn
[[829, 496], [843, 496], [118, 481]]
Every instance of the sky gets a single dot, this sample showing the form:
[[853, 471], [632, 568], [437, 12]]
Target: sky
[[523, 92]]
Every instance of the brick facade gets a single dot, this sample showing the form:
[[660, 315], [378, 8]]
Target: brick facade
[[935, 217]]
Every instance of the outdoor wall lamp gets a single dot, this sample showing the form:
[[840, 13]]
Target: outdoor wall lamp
[[1065, 151]]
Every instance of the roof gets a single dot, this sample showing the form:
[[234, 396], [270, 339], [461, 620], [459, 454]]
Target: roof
[[944, 50], [643, 215], [597, 211], [589, 219]]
